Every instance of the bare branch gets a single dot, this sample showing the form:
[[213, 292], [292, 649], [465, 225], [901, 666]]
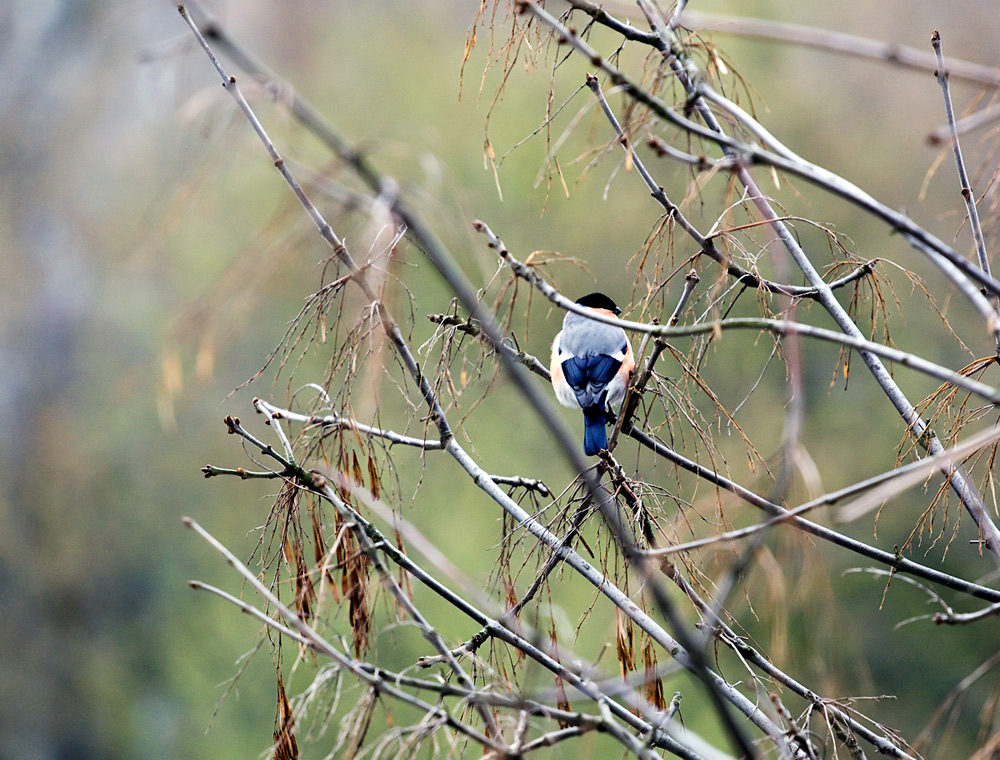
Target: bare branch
[[966, 124], [706, 244], [956, 618], [963, 178], [838, 42], [628, 567], [896, 561]]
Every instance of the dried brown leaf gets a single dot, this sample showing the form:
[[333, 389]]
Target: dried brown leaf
[[356, 472], [285, 746], [355, 586], [375, 483], [654, 685], [561, 701], [624, 646]]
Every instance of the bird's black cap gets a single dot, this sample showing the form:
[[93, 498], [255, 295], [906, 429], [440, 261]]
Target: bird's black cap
[[599, 301]]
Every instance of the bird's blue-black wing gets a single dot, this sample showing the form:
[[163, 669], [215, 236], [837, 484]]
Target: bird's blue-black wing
[[589, 375]]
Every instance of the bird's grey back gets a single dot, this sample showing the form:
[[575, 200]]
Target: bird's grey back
[[582, 336]]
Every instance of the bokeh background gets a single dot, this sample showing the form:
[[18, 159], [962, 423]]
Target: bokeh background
[[151, 259]]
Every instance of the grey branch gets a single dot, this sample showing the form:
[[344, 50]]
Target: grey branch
[[956, 618], [838, 42], [966, 124], [895, 561], [963, 177], [485, 481], [437, 414], [504, 632]]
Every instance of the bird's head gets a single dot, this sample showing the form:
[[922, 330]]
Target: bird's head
[[599, 301]]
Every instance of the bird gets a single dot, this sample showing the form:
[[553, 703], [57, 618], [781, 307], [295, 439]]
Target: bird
[[590, 367]]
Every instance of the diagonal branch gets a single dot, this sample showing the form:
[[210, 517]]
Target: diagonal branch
[[705, 243], [719, 689], [895, 561], [502, 629], [792, 516]]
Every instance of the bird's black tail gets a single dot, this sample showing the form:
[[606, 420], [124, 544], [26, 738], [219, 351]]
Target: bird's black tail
[[595, 437]]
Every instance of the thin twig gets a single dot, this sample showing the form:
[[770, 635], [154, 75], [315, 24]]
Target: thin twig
[[885, 484], [963, 177], [966, 124], [691, 280], [960, 618], [212, 471], [471, 327], [347, 423], [838, 42]]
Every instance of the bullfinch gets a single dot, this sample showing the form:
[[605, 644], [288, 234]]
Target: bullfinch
[[591, 364]]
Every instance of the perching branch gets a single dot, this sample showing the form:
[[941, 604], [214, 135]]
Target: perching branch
[[777, 326], [492, 628]]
